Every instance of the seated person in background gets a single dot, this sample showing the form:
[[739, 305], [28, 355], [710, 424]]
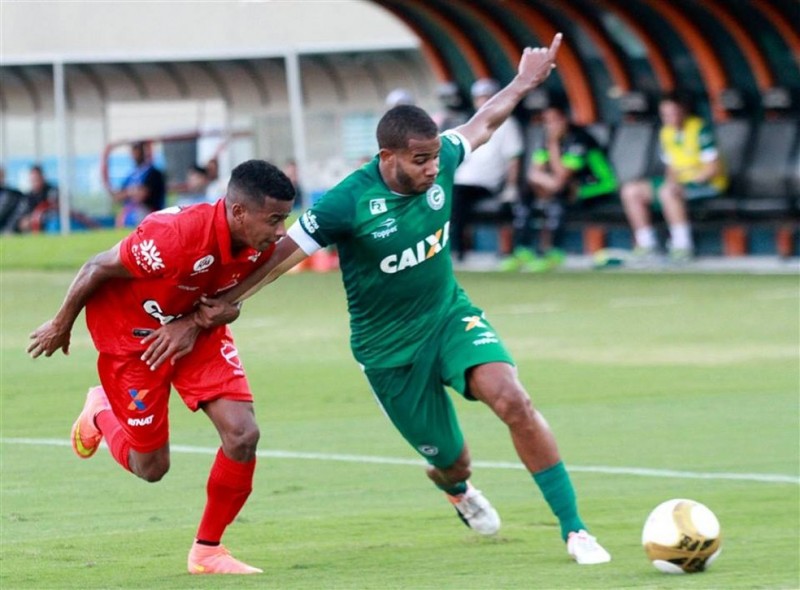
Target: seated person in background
[[490, 171], [42, 202], [694, 170], [13, 205], [215, 189], [143, 191], [569, 170], [290, 170], [196, 186]]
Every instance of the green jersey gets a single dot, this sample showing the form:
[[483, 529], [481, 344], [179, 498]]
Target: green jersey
[[394, 256], [591, 169]]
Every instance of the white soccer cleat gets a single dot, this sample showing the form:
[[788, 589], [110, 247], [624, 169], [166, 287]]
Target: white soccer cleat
[[584, 548], [475, 511]]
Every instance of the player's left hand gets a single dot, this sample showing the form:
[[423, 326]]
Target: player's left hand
[[537, 62], [215, 312], [170, 342]]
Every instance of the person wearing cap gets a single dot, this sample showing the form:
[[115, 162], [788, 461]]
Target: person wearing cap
[[399, 96], [454, 111], [491, 171]]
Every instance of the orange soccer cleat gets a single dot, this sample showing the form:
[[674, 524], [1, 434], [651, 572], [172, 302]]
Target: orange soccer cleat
[[85, 435], [205, 559]]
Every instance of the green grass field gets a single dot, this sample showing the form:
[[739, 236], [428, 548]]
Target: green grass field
[[657, 386]]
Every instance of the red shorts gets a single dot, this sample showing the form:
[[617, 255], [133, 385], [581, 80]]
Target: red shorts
[[140, 397]]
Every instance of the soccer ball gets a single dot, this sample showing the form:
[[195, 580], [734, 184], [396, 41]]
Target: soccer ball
[[681, 537]]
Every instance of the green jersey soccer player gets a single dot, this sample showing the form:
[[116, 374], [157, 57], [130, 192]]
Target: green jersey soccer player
[[414, 330]]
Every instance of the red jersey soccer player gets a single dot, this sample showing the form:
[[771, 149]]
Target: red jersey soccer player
[[173, 261]]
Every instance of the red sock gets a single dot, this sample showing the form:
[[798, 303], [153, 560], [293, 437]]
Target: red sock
[[117, 442], [229, 485]]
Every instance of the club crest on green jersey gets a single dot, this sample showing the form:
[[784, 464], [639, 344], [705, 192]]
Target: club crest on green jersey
[[435, 197]]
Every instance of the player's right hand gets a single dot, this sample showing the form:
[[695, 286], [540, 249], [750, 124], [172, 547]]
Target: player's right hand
[[170, 342], [48, 338], [537, 62]]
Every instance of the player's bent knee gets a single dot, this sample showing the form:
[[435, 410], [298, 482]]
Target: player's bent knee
[[632, 191], [513, 406], [627, 192], [670, 193], [152, 470], [151, 466], [240, 444]]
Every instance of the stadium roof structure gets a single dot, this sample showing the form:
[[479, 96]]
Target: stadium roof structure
[[611, 48], [614, 47]]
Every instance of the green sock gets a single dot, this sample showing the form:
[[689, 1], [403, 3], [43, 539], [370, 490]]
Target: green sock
[[560, 495], [455, 490]]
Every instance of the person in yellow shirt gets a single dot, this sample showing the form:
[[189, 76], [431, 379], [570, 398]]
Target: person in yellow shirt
[[693, 170]]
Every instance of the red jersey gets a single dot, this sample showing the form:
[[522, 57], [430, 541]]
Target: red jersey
[[175, 255]]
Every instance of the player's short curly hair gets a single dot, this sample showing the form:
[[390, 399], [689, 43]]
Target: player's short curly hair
[[256, 180], [402, 123]]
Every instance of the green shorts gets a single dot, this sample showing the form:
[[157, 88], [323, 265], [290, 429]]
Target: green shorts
[[692, 191], [414, 396]]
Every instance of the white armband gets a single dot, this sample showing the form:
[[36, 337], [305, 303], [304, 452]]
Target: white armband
[[307, 244]]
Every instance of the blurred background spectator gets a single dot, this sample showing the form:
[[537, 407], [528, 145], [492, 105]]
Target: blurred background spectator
[[569, 171], [42, 202], [454, 109], [215, 189], [12, 205], [143, 191], [290, 170], [399, 96], [196, 190], [492, 171], [693, 171]]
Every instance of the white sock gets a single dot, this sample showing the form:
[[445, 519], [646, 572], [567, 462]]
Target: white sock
[[646, 237], [681, 235]]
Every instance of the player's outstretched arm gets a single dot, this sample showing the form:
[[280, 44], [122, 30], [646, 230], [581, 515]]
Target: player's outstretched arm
[[287, 255], [535, 66], [55, 333], [176, 339]]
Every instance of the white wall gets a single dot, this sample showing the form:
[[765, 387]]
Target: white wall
[[107, 30], [329, 35]]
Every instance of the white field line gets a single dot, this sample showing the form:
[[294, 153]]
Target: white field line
[[617, 303], [623, 302], [665, 473], [528, 308]]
